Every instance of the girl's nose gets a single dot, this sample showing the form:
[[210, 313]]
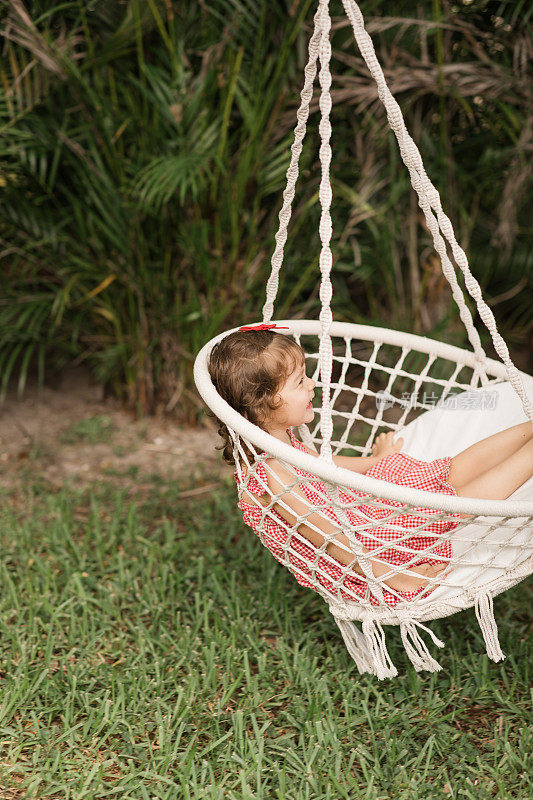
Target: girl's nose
[[311, 381]]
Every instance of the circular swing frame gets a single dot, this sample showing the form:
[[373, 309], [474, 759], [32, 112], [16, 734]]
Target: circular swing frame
[[330, 473]]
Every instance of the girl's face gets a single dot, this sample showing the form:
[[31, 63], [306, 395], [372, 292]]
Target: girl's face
[[296, 407]]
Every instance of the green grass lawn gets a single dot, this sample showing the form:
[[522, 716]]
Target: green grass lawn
[[151, 648]]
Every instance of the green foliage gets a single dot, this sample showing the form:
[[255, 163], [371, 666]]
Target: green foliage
[[143, 152]]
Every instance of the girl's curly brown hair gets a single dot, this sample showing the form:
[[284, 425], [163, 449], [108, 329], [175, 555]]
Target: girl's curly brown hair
[[247, 369]]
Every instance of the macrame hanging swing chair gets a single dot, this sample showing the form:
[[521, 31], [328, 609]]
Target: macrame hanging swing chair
[[487, 552]]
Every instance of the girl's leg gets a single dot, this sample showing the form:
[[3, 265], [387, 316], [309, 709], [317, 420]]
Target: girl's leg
[[412, 579], [503, 479], [487, 453]]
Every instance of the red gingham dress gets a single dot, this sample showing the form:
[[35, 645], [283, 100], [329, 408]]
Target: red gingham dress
[[396, 468]]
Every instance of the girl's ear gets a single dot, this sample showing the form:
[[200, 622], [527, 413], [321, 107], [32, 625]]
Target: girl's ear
[[277, 400]]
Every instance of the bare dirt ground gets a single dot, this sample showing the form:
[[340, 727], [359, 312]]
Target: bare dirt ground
[[71, 433]]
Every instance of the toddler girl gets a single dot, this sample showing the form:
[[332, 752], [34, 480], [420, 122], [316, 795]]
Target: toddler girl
[[261, 374]]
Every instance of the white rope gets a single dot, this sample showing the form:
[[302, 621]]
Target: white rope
[[292, 172], [485, 616], [356, 645], [375, 639], [413, 161], [325, 230], [415, 647], [429, 198]]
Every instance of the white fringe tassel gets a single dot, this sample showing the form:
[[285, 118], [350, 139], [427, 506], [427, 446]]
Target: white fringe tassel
[[367, 649], [356, 645], [416, 648], [375, 639], [485, 616]]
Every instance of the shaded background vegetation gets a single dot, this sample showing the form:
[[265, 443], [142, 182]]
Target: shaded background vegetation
[[143, 152]]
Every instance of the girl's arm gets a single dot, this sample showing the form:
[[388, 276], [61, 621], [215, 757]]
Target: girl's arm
[[356, 463], [382, 447]]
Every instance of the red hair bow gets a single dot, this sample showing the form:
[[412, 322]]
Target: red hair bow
[[263, 327]]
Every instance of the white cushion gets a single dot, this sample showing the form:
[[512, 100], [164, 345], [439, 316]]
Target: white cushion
[[447, 431]]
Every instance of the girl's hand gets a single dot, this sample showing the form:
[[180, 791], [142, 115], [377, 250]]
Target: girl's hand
[[384, 445]]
